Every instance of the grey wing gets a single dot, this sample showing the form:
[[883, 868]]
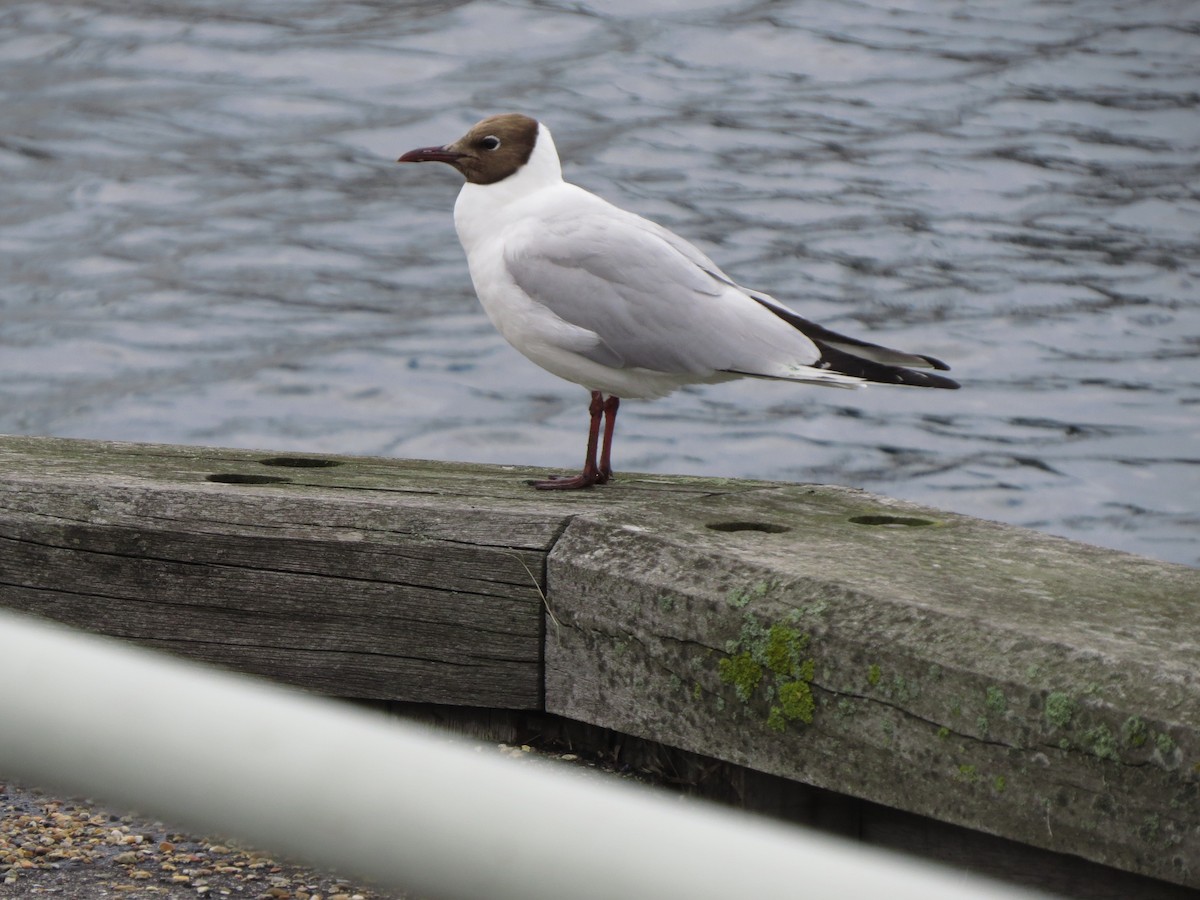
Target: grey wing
[[652, 300]]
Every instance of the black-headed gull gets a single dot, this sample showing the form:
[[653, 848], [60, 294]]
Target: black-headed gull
[[613, 302]]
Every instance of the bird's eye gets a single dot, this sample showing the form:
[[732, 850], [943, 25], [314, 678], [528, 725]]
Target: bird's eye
[[491, 142]]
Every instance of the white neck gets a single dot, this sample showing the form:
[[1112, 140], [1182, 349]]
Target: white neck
[[478, 205]]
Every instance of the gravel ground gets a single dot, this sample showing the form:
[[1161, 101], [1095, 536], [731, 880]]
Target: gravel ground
[[76, 849]]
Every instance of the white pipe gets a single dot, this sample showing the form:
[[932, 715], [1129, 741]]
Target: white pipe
[[336, 786]]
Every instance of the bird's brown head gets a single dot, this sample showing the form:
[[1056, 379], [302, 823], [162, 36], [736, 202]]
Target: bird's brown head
[[491, 151]]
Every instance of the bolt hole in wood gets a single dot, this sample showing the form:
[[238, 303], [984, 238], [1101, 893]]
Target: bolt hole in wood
[[765, 527], [240, 478], [300, 462], [894, 521]]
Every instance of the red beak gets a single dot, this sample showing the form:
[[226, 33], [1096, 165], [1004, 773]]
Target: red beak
[[431, 154]]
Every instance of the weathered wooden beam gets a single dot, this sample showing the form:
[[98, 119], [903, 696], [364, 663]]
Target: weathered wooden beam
[[987, 676], [377, 579]]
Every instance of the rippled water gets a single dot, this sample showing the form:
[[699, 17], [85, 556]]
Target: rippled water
[[205, 239]]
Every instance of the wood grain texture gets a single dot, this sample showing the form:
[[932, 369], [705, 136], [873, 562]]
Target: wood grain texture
[[353, 579]]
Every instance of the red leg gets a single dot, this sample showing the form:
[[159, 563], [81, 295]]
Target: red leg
[[590, 474], [610, 423]]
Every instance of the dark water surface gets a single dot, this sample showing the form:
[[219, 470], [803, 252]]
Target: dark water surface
[[205, 239]]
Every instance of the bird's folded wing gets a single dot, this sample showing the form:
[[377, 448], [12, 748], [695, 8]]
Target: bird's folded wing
[[648, 297]]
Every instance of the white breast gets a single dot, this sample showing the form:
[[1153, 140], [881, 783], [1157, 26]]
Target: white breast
[[486, 218]]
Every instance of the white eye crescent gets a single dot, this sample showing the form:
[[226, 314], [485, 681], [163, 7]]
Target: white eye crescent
[[491, 142]]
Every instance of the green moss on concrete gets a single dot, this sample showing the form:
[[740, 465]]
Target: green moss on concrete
[[769, 668], [741, 598], [742, 672], [783, 652], [874, 674], [996, 701], [796, 701], [1134, 732], [1060, 709], [943, 733], [1101, 742], [999, 784]]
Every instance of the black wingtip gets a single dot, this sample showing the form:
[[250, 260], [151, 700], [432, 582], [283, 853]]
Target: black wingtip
[[848, 364], [856, 348]]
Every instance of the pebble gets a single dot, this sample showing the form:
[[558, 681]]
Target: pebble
[[48, 843]]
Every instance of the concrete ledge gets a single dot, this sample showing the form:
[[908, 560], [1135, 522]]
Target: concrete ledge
[[987, 676]]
